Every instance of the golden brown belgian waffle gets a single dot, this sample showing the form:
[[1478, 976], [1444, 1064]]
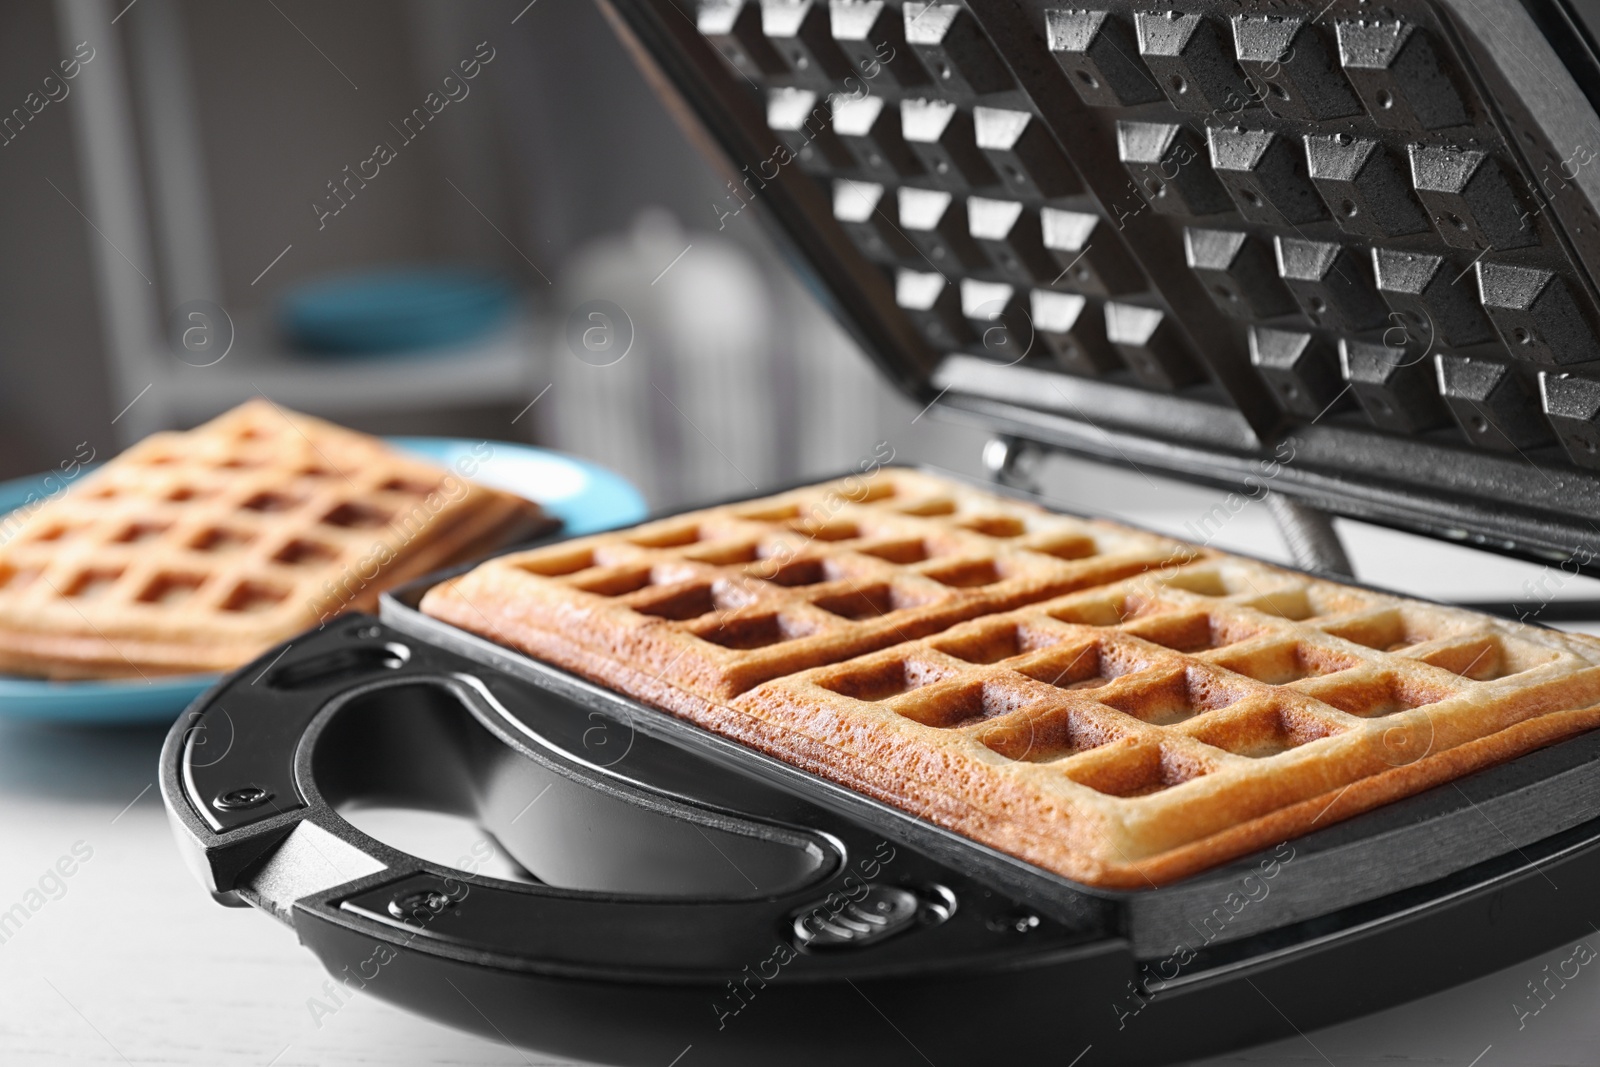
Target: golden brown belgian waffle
[[1107, 704], [195, 551]]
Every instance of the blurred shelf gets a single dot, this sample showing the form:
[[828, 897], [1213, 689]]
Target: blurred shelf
[[497, 368], [153, 385]]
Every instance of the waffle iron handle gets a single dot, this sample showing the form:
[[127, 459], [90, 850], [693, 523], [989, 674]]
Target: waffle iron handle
[[255, 773], [540, 968], [618, 979], [327, 875]]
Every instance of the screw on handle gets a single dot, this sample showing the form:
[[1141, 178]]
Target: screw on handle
[[242, 798]]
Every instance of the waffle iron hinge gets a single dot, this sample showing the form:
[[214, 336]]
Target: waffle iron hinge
[[1310, 535], [1011, 463], [1420, 489], [1307, 531]]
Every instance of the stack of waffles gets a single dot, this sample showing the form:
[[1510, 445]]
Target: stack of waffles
[[195, 551], [1113, 706]]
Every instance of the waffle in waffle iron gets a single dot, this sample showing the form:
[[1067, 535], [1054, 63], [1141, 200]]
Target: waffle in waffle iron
[[1114, 706], [194, 551]]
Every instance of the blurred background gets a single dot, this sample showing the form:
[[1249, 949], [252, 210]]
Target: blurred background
[[223, 161]]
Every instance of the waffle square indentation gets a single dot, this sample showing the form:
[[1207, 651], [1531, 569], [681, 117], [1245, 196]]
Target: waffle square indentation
[[667, 537], [1197, 632], [92, 584], [871, 601], [616, 581], [1066, 546], [170, 588], [301, 551], [962, 704], [253, 597], [1263, 731], [966, 574], [795, 572], [1397, 628], [1087, 666], [136, 532], [357, 516], [220, 539], [1174, 697], [1286, 661], [882, 680], [558, 564], [755, 631], [1050, 733], [995, 642], [1136, 771], [997, 526], [1487, 658], [1380, 696]]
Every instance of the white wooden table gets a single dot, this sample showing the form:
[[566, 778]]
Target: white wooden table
[[133, 964]]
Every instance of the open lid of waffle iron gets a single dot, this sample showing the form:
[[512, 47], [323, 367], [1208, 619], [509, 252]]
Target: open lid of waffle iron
[[1198, 240]]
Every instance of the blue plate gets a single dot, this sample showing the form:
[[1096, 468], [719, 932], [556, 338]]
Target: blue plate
[[585, 497]]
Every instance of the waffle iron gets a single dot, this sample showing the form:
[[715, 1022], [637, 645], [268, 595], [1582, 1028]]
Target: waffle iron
[[1354, 239]]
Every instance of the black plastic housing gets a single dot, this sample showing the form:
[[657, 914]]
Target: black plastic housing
[[613, 949]]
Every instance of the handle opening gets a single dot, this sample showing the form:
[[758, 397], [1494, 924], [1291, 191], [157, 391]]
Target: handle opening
[[410, 765]]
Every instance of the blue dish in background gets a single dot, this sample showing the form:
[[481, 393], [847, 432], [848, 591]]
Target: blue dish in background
[[587, 498], [393, 310]]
